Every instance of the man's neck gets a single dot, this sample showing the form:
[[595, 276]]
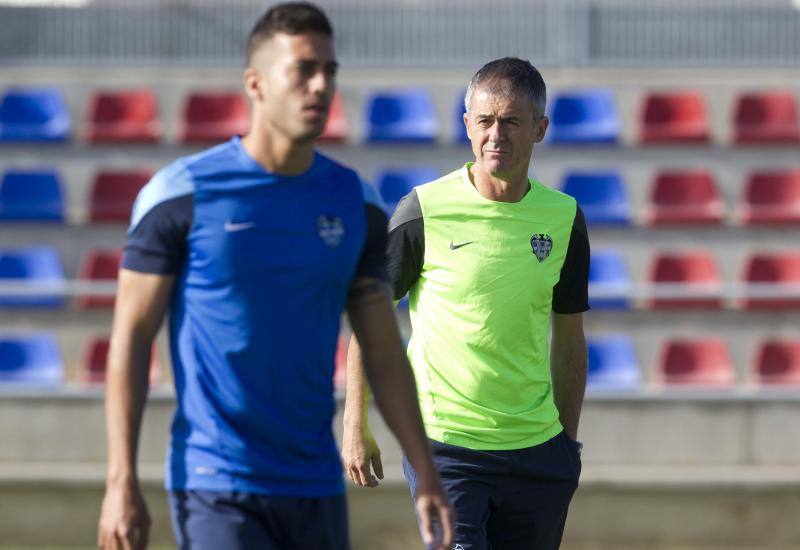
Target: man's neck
[[512, 189], [277, 154]]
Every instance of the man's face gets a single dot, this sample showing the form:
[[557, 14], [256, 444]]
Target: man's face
[[502, 130], [292, 82]]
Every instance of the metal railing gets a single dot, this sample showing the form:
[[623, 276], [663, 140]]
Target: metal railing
[[414, 33]]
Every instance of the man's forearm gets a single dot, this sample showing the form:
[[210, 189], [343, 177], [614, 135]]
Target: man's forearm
[[568, 365], [395, 392], [126, 393], [357, 396]]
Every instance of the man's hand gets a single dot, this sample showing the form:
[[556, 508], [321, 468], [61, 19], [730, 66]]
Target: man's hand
[[436, 516], [124, 520], [359, 450]]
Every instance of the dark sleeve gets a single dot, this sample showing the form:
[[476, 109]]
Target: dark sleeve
[[571, 293], [373, 256], [406, 246], [157, 243]]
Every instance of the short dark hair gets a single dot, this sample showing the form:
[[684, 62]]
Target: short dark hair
[[508, 75], [288, 18]]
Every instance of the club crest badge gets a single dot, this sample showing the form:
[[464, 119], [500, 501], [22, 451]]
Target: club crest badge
[[542, 244], [331, 230]]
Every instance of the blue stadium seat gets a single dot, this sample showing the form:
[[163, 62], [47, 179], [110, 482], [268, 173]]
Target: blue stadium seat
[[34, 114], [394, 184], [584, 117], [39, 265], [613, 363], [609, 280], [603, 196], [30, 359], [459, 130], [31, 196], [406, 116]]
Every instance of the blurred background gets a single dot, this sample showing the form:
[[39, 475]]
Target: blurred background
[[673, 123]]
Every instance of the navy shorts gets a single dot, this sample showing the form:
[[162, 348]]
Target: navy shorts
[[508, 500], [204, 520]]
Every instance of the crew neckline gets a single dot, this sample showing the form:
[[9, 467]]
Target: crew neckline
[[465, 180]]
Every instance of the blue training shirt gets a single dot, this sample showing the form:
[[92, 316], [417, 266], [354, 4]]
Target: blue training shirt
[[263, 264]]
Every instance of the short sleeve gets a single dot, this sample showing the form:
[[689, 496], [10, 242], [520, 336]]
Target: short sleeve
[[571, 293], [372, 263], [160, 223], [406, 245]]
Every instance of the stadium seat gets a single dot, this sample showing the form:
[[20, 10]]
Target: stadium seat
[[404, 116], [98, 266], [777, 275], [32, 358], [95, 358], [459, 130], [38, 266], [34, 114], [394, 184], [336, 127], [603, 196], [676, 117], [766, 117], [31, 196], [778, 362], [126, 116], [609, 280], [771, 197], [691, 277], [612, 363], [584, 117], [214, 116], [701, 362], [113, 193], [684, 197]]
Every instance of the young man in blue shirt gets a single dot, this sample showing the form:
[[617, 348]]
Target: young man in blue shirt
[[255, 247]]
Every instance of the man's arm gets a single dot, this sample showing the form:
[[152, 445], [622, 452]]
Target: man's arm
[[142, 300], [568, 365], [359, 449], [390, 377]]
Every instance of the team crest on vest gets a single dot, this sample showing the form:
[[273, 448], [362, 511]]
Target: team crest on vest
[[330, 229], [542, 244]]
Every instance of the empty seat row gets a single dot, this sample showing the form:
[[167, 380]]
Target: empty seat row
[[688, 279], [406, 115], [687, 362], [687, 197], [35, 359], [691, 279], [34, 277], [39, 195]]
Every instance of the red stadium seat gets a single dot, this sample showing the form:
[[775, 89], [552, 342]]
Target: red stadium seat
[[766, 117], [113, 193], [676, 117], [129, 116], [95, 356], [685, 197], [771, 197], [214, 117], [700, 362], [778, 362], [336, 128], [100, 266], [693, 275], [774, 273]]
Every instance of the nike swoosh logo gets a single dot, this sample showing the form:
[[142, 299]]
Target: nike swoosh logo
[[232, 227], [457, 246]]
